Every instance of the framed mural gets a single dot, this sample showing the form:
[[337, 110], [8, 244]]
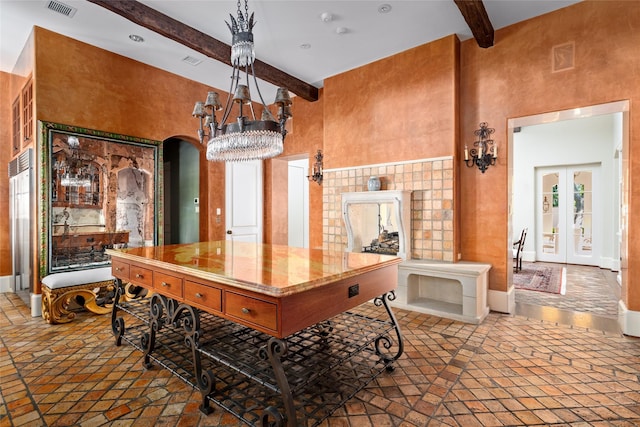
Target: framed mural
[[99, 190]]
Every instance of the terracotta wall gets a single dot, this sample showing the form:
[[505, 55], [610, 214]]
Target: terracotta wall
[[6, 101], [399, 108], [514, 79], [304, 139]]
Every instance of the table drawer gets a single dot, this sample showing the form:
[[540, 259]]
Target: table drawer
[[141, 276], [253, 310], [205, 297], [120, 269], [167, 285]]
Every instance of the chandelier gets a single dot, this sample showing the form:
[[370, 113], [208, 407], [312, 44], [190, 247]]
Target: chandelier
[[73, 173], [245, 138]]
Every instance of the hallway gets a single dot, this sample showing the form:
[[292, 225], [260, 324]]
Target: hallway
[[590, 301], [510, 370]]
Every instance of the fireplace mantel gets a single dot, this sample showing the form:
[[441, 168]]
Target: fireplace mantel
[[401, 200]]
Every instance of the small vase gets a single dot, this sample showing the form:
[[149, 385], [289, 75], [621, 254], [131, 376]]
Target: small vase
[[373, 184]]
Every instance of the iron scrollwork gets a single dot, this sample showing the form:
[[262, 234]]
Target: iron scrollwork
[[384, 340], [117, 323], [275, 350]]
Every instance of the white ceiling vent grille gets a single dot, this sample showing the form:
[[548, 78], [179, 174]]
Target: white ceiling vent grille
[[191, 60], [62, 8]]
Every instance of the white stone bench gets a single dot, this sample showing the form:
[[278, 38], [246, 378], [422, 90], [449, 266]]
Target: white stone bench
[[82, 287], [455, 291]]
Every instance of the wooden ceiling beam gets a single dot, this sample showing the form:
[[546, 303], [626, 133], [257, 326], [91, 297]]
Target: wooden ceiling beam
[[478, 21], [177, 31]]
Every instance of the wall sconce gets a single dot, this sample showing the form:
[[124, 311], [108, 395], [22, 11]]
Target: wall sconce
[[486, 153], [317, 169], [545, 205]]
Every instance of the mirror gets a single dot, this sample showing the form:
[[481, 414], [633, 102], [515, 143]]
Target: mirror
[[101, 194]]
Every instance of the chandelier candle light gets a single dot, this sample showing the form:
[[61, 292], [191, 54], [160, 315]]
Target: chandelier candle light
[[486, 153], [244, 139]]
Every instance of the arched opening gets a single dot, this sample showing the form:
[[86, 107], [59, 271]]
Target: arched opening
[[181, 192]]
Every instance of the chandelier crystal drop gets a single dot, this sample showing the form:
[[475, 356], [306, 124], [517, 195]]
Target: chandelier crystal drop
[[245, 138]]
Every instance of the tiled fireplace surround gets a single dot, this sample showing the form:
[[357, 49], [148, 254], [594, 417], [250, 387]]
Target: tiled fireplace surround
[[431, 183]]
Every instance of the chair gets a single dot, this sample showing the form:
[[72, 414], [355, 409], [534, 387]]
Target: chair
[[518, 246]]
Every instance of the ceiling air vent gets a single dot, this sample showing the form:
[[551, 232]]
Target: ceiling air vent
[[191, 60], [62, 8]]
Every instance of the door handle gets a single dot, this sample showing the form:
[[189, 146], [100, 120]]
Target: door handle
[[229, 232]]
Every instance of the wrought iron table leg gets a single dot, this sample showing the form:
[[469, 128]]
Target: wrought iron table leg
[[384, 340], [274, 351], [189, 318], [148, 339], [117, 323]]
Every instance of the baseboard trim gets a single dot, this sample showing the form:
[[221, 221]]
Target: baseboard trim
[[502, 302], [36, 305], [5, 284], [628, 320]]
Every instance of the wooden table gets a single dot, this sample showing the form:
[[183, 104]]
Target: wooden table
[[278, 296]]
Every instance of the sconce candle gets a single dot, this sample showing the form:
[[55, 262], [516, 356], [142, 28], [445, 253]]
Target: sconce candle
[[486, 154], [317, 169]]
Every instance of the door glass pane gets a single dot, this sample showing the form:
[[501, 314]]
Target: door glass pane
[[582, 212], [549, 213]]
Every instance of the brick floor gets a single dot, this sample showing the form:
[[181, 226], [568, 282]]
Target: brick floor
[[510, 370]]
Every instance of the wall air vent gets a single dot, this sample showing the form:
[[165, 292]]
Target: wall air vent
[[62, 8], [191, 60], [21, 163]]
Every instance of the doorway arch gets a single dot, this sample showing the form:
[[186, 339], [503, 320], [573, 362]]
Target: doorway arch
[[182, 191]]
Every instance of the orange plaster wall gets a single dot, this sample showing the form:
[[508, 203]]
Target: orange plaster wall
[[305, 137], [514, 79], [6, 101], [398, 108], [84, 86]]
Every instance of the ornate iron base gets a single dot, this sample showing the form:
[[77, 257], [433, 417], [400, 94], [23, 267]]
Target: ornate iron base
[[262, 380]]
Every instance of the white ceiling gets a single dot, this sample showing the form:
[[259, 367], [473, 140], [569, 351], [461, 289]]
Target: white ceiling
[[282, 27]]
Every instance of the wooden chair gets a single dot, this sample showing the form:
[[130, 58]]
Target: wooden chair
[[518, 247]]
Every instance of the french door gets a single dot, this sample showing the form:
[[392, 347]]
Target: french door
[[568, 214]]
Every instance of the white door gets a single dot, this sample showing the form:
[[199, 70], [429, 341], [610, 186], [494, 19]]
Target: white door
[[298, 203], [568, 215], [243, 201]]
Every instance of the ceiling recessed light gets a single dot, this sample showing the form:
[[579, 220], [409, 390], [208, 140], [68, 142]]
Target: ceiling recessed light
[[326, 17], [384, 8], [136, 38], [305, 46], [342, 30]]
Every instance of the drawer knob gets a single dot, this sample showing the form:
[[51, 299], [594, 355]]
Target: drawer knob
[[118, 269], [163, 284], [138, 276], [245, 310], [198, 295]]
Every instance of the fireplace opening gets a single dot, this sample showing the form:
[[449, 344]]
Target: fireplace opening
[[376, 221]]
